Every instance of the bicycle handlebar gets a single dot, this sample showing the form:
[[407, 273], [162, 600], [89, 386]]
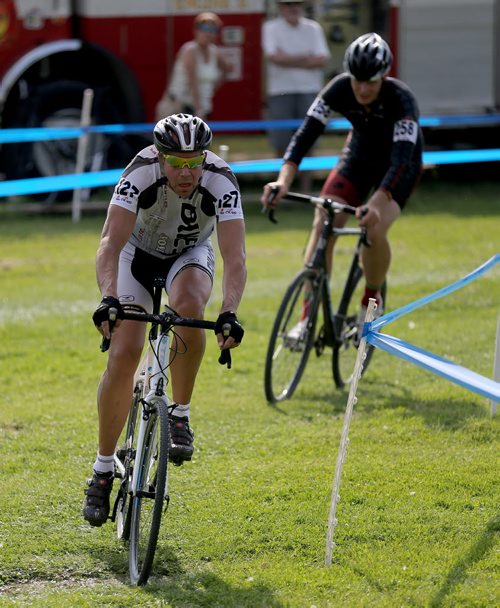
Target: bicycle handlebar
[[166, 320], [326, 203], [321, 201]]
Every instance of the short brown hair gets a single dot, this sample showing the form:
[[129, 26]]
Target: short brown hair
[[208, 18]]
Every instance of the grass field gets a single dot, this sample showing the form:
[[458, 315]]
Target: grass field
[[246, 527]]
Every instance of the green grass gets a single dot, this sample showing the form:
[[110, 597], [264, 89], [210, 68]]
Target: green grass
[[418, 516]]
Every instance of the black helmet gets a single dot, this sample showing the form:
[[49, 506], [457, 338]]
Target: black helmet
[[181, 133], [368, 57]]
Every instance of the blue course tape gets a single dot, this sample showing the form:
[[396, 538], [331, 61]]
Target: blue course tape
[[438, 365], [58, 183], [336, 124], [444, 291], [23, 187], [442, 367]]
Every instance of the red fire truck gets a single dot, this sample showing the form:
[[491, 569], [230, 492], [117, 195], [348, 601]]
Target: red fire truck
[[52, 50]]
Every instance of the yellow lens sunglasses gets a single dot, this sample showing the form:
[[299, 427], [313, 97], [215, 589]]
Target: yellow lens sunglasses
[[177, 162]]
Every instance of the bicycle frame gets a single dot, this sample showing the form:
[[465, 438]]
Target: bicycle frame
[[142, 464], [332, 323], [154, 395], [152, 371], [295, 330]]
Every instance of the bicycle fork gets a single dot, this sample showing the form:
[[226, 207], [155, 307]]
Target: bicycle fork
[[156, 380]]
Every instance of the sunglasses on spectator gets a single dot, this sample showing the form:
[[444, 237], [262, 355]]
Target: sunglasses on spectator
[[177, 162], [208, 27]]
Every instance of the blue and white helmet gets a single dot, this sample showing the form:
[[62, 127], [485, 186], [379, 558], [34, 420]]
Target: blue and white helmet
[[181, 133], [368, 58]]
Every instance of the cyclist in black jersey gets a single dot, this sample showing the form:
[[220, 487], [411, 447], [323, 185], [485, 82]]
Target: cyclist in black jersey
[[168, 201], [382, 159]]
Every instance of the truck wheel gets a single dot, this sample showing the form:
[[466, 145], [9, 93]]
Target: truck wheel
[[58, 104]]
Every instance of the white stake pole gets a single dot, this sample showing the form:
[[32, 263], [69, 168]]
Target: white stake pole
[[351, 401], [496, 366], [81, 153]]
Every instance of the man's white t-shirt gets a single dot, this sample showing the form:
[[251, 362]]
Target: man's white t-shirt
[[306, 38]]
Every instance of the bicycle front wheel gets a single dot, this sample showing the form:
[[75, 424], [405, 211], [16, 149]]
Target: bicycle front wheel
[[291, 337], [346, 348], [126, 454], [149, 500]]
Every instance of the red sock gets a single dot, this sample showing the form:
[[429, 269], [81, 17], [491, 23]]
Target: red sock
[[371, 293], [306, 307]]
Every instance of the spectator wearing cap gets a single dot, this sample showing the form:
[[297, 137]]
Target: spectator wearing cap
[[199, 69]]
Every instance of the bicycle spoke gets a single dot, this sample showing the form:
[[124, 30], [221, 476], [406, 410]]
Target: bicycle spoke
[[291, 340], [147, 505]]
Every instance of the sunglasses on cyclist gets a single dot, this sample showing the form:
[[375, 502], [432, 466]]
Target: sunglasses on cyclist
[[177, 162]]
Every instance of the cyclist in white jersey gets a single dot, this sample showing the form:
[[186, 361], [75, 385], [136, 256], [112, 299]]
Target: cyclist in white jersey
[[169, 200]]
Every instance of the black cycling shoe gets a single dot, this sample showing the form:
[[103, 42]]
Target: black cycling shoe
[[181, 440], [96, 502]]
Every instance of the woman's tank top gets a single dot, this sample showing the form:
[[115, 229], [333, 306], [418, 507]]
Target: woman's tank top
[[207, 73]]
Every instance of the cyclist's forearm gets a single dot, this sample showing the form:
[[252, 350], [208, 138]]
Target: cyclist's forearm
[[107, 270], [287, 174], [233, 285]]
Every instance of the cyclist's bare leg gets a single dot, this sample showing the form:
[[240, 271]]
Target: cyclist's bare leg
[[188, 296], [376, 259], [116, 386]]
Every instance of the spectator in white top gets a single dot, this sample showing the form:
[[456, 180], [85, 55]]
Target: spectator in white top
[[199, 69], [296, 52]]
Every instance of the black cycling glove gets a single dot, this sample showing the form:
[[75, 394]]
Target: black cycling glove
[[228, 321], [102, 311]]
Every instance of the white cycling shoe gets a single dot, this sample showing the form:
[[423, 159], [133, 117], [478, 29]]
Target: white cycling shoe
[[293, 339]]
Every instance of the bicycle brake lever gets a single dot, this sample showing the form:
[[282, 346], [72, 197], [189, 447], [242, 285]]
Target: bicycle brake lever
[[225, 355], [270, 210], [225, 358], [106, 342]]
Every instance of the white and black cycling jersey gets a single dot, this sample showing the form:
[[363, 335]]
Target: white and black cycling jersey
[[167, 224]]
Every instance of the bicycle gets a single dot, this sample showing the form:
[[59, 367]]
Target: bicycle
[[294, 335], [141, 463]]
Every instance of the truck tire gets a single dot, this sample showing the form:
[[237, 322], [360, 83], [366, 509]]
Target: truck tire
[[58, 104]]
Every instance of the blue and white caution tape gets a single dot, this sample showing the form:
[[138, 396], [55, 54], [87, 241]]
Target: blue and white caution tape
[[429, 361]]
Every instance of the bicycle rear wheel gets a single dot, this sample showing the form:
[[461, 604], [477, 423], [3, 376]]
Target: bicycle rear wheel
[[290, 344], [346, 348], [149, 501], [126, 454]]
